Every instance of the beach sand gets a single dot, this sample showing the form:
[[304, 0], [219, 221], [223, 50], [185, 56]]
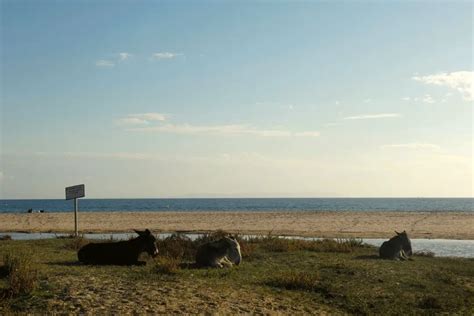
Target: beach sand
[[448, 225]]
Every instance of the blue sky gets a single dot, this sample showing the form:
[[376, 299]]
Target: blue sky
[[200, 99]]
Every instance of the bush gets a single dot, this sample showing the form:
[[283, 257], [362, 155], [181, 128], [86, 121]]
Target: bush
[[22, 275]]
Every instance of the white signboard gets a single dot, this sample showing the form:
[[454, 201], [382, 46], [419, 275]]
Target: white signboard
[[74, 192]]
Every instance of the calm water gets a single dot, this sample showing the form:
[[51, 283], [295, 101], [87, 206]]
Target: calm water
[[267, 204], [440, 247]]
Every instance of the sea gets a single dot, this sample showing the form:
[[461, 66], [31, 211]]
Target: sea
[[244, 205]]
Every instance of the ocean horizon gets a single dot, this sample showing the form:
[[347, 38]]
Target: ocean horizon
[[241, 204]]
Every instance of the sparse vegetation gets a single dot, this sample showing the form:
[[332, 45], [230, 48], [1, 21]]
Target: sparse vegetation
[[332, 277], [21, 273]]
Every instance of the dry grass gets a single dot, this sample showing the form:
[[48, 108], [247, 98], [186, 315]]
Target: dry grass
[[22, 275]]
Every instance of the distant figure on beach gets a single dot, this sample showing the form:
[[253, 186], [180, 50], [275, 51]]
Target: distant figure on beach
[[397, 248], [30, 210], [121, 252], [219, 253]]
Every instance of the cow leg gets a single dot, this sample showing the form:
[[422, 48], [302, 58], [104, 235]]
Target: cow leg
[[225, 261]]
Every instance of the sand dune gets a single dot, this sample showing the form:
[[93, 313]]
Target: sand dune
[[450, 225]]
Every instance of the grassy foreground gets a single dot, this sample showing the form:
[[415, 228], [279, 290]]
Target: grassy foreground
[[276, 277]]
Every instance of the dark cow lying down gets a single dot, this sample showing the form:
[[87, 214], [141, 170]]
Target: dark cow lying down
[[121, 252]]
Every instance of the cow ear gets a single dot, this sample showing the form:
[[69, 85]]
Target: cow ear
[[397, 233], [139, 232], [147, 232]]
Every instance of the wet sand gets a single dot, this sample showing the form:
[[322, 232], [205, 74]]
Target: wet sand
[[447, 225]]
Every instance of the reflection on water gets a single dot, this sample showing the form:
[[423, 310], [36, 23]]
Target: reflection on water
[[440, 247]]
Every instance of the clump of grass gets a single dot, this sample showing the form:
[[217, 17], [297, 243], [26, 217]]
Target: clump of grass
[[291, 280], [5, 237], [22, 275], [167, 265], [424, 253]]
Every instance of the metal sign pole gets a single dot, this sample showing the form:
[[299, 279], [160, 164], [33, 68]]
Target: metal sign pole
[[73, 193], [76, 204]]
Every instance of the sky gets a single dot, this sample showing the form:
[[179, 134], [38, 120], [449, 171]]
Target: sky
[[236, 99]]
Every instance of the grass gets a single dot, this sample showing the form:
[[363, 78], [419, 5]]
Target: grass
[[289, 276], [21, 273]]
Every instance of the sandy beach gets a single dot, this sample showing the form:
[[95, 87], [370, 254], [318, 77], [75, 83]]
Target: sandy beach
[[452, 225]]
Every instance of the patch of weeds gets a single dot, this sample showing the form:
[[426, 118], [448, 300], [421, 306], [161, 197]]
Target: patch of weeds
[[22, 275], [166, 265], [303, 281]]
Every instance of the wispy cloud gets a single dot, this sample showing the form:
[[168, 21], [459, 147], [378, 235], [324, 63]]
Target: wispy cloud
[[165, 55], [99, 155], [426, 99], [231, 129], [123, 56], [104, 63], [462, 81], [141, 119], [372, 116], [414, 146]]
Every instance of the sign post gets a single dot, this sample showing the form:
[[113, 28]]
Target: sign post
[[75, 192]]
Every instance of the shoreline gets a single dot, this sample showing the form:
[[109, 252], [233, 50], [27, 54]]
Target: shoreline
[[326, 224]]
